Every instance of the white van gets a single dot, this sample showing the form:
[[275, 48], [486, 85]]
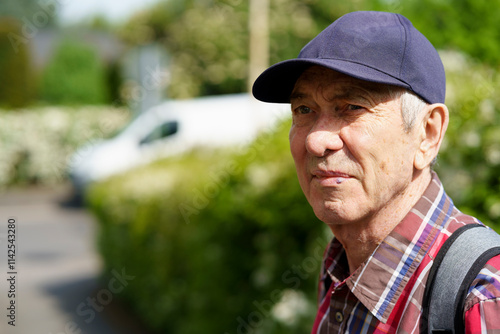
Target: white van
[[174, 127]]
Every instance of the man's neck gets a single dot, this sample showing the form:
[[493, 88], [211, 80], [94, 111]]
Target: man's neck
[[362, 238]]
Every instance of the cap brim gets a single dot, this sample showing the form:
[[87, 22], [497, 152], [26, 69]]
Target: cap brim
[[277, 82]]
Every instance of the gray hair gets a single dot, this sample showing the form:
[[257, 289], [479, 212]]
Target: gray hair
[[411, 106]]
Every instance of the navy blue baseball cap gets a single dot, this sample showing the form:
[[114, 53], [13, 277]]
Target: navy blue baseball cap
[[373, 46]]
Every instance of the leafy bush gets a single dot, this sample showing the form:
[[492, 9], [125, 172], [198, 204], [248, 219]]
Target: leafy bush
[[36, 143], [219, 242], [443, 23], [469, 162], [74, 76]]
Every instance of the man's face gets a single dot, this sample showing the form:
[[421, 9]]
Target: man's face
[[352, 154]]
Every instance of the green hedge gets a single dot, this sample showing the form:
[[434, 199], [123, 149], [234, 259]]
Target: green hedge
[[214, 239], [75, 76], [469, 163], [225, 242]]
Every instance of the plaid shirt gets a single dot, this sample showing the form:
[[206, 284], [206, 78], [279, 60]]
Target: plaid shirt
[[385, 294]]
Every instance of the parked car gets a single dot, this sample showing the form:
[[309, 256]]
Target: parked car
[[171, 128]]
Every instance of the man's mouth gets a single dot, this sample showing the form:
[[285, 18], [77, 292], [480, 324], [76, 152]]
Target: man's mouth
[[330, 178]]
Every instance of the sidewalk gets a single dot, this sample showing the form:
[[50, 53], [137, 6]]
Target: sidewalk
[[57, 269]]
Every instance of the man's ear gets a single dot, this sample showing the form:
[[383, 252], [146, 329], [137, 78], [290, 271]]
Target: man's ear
[[433, 128]]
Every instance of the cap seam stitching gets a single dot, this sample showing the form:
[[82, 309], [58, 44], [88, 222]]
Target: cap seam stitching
[[404, 49]]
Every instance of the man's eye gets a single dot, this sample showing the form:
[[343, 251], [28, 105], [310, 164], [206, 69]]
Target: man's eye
[[354, 107], [303, 110]]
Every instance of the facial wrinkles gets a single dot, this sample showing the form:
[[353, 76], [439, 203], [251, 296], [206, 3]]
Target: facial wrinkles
[[352, 94], [331, 86], [326, 92], [329, 90], [384, 115], [376, 104]]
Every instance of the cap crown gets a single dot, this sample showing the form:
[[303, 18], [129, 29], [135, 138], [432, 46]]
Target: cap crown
[[385, 42], [373, 46]]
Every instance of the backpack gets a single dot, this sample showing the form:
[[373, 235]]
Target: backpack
[[457, 264]]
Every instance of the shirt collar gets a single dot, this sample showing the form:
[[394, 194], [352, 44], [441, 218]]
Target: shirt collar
[[378, 283]]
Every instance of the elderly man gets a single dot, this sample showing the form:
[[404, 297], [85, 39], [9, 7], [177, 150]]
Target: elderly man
[[367, 98]]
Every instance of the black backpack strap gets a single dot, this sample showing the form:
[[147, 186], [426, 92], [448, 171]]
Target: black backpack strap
[[457, 264]]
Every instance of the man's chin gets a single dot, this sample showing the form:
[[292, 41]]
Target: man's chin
[[333, 215]]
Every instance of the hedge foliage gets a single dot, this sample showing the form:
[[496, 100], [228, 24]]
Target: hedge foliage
[[75, 76], [225, 242], [469, 163], [216, 240]]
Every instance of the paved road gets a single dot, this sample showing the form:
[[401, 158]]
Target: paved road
[[57, 268]]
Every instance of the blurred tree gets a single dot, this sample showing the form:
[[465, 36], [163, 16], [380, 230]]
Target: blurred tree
[[100, 22], [16, 86], [20, 22], [210, 56], [31, 12], [74, 76], [445, 24], [208, 39]]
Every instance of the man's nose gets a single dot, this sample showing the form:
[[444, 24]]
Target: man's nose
[[323, 137]]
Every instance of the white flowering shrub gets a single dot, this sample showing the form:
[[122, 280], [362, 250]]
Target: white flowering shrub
[[37, 143], [469, 161]]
